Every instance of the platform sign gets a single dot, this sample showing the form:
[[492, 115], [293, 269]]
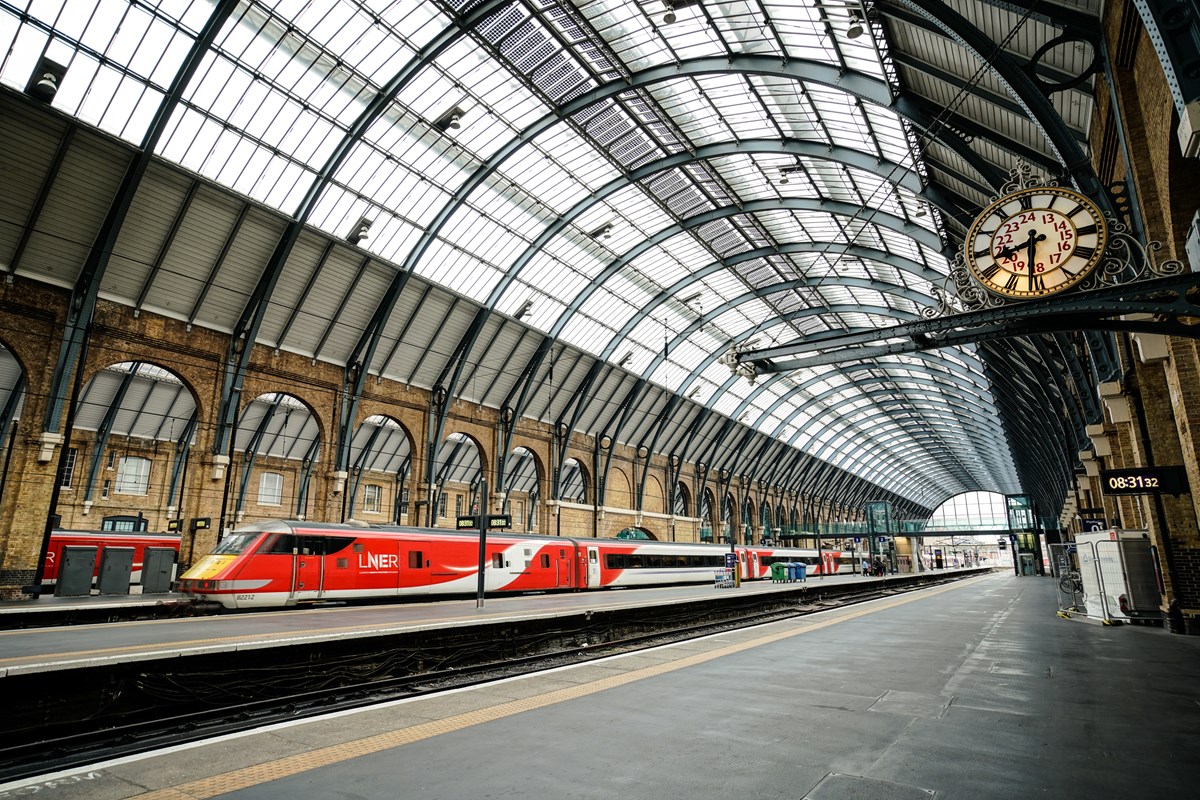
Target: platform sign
[[1144, 480], [730, 560], [494, 522], [858, 540], [1092, 525]]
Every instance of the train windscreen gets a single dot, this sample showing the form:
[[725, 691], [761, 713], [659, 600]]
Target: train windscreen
[[235, 543]]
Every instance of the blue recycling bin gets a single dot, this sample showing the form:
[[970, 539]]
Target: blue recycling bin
[[799, 571]]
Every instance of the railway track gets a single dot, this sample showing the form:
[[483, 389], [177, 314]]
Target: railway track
[[117, 729]]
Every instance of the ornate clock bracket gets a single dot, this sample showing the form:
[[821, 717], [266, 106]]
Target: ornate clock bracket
[[1126, 260]]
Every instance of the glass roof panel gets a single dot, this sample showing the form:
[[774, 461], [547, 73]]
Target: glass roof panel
[[286, 82]]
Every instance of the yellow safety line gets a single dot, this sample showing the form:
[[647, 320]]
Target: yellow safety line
[[303, 762]]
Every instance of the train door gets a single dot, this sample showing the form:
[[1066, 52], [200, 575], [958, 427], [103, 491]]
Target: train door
[[308, 567], [565, 568], [593, 567], [415, 562]]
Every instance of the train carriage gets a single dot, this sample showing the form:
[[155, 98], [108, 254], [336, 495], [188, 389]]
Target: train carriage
[[138, 540], [282, 563]]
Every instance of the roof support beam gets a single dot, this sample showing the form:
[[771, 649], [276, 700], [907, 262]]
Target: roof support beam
[[82, 305], [1164, 299], [1022, 88]]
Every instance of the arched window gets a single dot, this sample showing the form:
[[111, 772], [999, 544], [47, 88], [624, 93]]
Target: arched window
[[133, 475], [270, 489]]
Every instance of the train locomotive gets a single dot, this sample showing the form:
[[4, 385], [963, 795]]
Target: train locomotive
[[284, 563]]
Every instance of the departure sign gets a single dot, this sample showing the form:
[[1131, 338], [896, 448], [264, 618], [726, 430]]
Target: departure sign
[[494, 522], [1145, 480]]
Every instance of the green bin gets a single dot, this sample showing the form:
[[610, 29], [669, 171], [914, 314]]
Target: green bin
[[779, 572]]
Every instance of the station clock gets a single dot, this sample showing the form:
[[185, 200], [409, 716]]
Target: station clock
[[1036, 242]]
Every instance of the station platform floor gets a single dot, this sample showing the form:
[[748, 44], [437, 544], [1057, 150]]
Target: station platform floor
[[975, 689]]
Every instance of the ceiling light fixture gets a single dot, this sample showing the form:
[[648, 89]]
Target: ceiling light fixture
[[625, 359], [857, 27], [669, 17], [450, 121], [691, 298], [523, 310], [359, 231], [44, 82], [921, 211], [603, 232]]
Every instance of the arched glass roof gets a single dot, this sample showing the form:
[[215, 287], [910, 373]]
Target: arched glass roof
[[641, 191]]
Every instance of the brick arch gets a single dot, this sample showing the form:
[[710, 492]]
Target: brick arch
[[655, 500], [257, 385], [588, 486], [484, 452], [683, 493], [618, 492]]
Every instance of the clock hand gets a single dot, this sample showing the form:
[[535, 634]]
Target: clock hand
[[1031, 245]]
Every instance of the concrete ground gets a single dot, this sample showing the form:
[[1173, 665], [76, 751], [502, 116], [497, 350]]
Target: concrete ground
[[975, 690]]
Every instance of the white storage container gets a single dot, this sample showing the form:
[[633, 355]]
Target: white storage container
[[1117, 568]]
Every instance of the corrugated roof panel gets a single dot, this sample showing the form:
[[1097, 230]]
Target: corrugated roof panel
[[490, 360], [244, 262], [157, 205], [31, 141], [194, 251], [358, 303], [293, 280], [444, 337], [322, 301], [74, 209]]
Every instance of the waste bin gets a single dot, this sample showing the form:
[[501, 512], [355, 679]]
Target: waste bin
[[799, 571], [779, 572]]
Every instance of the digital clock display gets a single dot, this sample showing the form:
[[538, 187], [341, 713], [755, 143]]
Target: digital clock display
[[1147, 480]]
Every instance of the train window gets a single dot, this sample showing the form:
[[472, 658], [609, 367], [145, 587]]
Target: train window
[[414, 559], [235, 543], [358, 548], [498, 560], [343, 563], [323, 545], [278, 544], [545, 560]]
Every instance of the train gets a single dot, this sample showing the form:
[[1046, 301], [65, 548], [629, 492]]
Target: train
[[138, 540], [284, 563]]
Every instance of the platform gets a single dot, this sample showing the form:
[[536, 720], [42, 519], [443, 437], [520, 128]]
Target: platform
[[972, 690], [29, 650]]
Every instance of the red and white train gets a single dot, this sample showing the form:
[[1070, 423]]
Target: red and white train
[[281, 563]]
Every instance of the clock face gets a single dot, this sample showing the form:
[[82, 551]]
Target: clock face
[[1036, 242]]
